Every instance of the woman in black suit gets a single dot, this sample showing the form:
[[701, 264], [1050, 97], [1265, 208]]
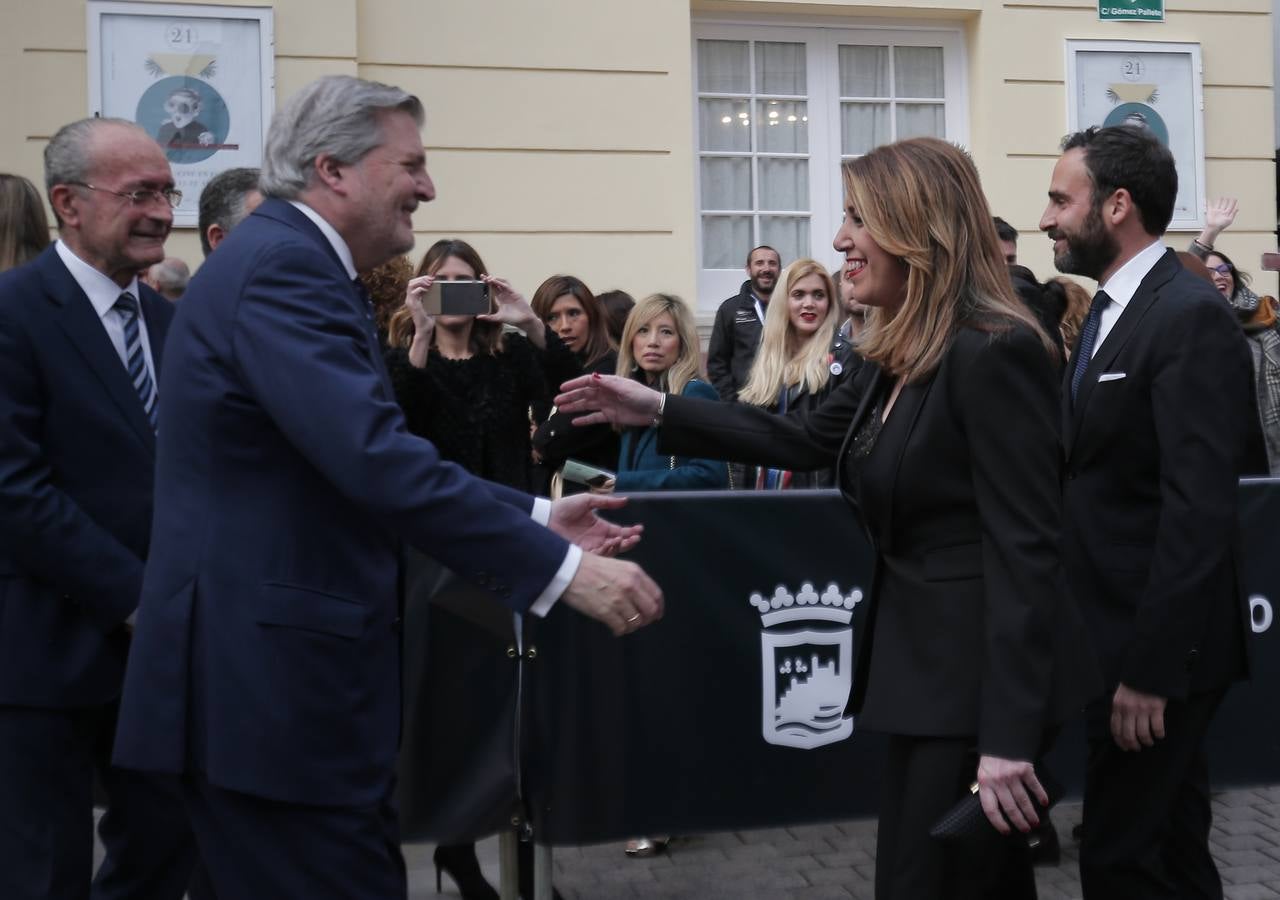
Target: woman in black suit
[[947, 445]]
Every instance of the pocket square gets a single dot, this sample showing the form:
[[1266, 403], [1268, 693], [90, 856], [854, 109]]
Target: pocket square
[[1110, 376]]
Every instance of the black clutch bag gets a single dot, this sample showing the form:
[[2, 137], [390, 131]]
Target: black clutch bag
[[967, 820]]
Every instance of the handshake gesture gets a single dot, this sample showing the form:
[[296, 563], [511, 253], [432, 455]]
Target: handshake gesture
[[612, 591]]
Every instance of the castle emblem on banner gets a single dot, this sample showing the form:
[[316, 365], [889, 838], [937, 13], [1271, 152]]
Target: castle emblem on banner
[[806, 665]]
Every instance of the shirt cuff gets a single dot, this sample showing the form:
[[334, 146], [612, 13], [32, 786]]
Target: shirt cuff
[[560, 583], [541, 512]]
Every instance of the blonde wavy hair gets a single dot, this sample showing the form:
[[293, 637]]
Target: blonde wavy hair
[[922, 201], [784, 358], [687, 366]]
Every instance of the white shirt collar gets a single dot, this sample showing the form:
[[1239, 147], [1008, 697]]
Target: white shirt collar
[[331, 235], [101, 290], [1124, 282]]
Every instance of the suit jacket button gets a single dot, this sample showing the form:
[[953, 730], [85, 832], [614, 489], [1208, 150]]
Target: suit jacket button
[[1192, 655], [397, 625]]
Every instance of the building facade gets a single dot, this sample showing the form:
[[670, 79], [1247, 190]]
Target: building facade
[[647, 146]]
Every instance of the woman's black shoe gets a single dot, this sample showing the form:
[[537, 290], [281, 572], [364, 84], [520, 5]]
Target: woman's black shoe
[[459, 863]]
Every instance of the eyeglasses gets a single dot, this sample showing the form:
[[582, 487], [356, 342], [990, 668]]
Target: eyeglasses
[[1221, 269], [142, 197]]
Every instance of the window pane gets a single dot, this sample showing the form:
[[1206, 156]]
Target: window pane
[[725, 241], [780, 68], [863, 127], [784, 184], [864, 71], [921, 120], [724, 125], [789, 235], [783, 126], [917, 72], [726, 183], [724, 67]]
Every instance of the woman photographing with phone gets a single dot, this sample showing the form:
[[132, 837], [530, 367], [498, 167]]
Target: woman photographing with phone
[[467, 386], [946, 445]]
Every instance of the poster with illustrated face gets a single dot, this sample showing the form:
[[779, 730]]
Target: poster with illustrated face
[[200, 79], [1155, 86]]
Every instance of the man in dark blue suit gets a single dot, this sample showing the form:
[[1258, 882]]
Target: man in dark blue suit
[[81, 344], [266, 662]]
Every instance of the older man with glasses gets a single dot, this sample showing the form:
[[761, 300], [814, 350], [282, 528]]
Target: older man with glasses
[[81, 343]]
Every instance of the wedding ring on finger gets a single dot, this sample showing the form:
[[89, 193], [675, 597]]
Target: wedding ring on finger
[[633, 619]]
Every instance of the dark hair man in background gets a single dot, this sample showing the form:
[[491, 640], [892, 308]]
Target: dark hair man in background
[[739, 321], [226, 199]]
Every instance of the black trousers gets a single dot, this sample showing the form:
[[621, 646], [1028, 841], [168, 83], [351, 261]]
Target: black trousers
[[48, 760], [925, 777], [1147, 813], [254, 848]]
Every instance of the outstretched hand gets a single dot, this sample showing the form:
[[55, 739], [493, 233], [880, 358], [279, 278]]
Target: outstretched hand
[[1003, 786], [608, 398], [575, 519], [614, 592]]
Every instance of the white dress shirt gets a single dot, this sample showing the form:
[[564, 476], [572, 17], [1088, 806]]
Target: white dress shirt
[[1121, 287], [103, 294], [541, 512]]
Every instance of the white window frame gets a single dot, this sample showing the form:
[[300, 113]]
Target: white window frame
[[822, 38]]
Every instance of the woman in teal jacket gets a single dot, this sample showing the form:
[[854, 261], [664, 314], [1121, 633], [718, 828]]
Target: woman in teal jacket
[[660, 349]]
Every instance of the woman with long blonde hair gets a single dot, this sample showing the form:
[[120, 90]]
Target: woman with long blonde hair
[[660, 349], [800, 360], [946, 444]]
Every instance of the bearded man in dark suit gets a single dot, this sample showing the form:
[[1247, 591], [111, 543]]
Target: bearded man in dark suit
[[1158, 425]]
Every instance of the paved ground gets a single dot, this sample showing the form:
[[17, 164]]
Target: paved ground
[[836, 862]]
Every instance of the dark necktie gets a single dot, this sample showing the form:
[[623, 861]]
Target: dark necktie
[[135, 360], [1088, 337]]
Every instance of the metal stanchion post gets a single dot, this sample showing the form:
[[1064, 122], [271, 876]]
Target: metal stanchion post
[[509, 863], [541, 872]]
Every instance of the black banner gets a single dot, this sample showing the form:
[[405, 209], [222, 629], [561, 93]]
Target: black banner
[[729, 713]]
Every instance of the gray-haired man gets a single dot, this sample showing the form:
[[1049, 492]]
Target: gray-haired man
[[266, 658]]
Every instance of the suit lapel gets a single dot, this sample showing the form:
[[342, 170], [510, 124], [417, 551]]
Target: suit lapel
[[1147, 294], [906, 409], [79, 320], [283, 211]]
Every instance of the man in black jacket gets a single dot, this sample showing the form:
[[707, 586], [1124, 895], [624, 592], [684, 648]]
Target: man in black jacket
[[1158, 426], [736, 333]]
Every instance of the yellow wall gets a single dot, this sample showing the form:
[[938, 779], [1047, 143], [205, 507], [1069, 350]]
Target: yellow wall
[[560, 132]]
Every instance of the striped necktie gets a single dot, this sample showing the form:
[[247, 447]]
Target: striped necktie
[[1088, 337], [135, 360]]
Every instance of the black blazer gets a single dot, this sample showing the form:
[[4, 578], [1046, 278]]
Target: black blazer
[[1163, 427], [970, 632], [77, 457]]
